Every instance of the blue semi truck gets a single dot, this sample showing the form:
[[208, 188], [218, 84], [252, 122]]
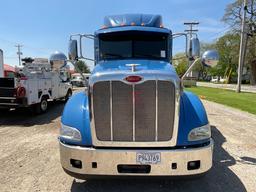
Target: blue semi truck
[[135, 119]]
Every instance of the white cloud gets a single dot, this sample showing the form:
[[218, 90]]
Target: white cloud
[[210, 28]]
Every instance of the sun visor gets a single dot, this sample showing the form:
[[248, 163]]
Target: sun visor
[[134, 20]]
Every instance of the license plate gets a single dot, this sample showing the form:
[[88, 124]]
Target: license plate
[[148, 157]]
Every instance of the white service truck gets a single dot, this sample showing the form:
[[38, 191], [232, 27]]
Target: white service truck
[[80, 81], [35, 84]]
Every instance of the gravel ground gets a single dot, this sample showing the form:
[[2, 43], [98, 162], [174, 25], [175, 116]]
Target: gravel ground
[[29, 156]]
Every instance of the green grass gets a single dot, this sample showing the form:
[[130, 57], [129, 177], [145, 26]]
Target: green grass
[[242, 101]]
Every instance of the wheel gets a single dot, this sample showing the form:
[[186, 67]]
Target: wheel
[[68, 95], [42, 106]]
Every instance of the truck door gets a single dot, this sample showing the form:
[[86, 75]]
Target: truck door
[[61, 88]]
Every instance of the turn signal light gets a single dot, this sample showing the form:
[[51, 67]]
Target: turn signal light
[[133, 78]]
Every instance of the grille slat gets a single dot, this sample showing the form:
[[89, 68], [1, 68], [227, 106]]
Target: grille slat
[[153, 118], [101, 106], [166, 105], [145, 111], [122, 111]]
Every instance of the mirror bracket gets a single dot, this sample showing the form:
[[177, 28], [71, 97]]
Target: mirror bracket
[[190, 68], [80, 37], [176, 35]]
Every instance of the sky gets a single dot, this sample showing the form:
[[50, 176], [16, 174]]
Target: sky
[[44, 26]]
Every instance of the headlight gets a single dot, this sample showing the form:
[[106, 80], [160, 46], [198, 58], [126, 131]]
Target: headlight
[[200, 133], [70, 133]]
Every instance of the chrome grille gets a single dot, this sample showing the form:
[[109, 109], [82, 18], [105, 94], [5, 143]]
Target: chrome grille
[[122, 111], [101, 98], [166, 103], [145, 111], [134, 113]]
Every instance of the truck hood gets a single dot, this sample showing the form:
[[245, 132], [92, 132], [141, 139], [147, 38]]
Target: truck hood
[[148, 69]]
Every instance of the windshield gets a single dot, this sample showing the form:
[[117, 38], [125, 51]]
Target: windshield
[[123, 45]]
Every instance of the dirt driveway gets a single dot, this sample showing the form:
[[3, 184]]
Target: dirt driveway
[[29, 156]]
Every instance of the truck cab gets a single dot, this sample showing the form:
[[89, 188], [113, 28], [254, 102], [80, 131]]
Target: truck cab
[[134, 119]]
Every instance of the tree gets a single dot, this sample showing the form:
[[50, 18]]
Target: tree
[[180, 62], [228, 48], [233, 17], [233, 14], [83, 67]]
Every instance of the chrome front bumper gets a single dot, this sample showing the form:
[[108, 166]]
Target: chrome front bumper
[[107, 161]]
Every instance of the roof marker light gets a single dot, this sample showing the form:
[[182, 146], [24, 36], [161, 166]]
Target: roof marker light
[[133, 78], [132, 23], [142, 24], [122, 24], [104, 27]]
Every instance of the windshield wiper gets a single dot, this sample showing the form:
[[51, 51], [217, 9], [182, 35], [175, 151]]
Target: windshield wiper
[[148, 56], [112, 55]]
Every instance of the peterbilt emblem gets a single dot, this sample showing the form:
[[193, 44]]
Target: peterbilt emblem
[[133, 78], [132, 66]]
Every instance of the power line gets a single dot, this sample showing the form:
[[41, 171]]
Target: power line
[[217, 33], [45, 50]]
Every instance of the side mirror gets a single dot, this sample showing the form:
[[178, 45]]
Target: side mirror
[[58, 60], [195, 47], [210, 58], [72, 50]]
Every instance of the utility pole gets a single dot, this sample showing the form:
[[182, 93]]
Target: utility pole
[[19, 53], [242, 48], [1, 63], [190, 31]]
